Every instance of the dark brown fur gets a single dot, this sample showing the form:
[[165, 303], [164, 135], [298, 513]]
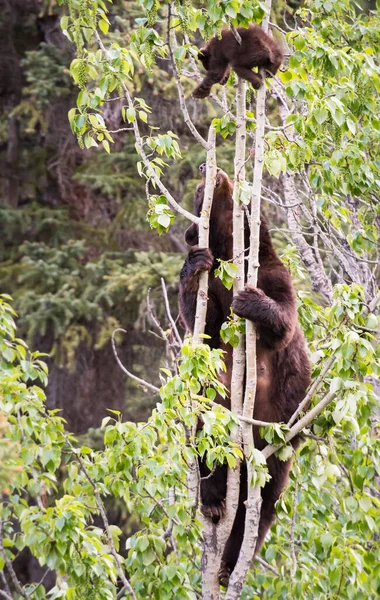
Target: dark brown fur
[[282, 362], [257, 49]]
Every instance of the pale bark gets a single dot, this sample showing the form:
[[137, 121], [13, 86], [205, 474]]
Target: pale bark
[[238, 364], [215, 536], [203, 236], [193, 477], [253, 503]]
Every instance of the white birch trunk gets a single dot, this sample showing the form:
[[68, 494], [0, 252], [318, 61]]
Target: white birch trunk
[[203, 236], [253, 504]]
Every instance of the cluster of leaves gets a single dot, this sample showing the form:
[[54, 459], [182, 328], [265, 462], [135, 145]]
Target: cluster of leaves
[[143, 465], [334, 74], [324, 542]]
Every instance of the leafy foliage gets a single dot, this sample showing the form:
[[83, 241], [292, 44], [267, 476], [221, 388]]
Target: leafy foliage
[[324, 543]]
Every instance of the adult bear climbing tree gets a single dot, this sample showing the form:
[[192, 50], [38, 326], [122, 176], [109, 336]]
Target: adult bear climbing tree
[[283, 371], [257, 49]]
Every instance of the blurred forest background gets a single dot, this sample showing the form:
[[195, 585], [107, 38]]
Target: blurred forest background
[[76, 252]]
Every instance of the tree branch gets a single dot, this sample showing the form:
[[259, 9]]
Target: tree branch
[[313, 388], [267, 566], [153, 175], [122, 367], [171, 42], [168, 312], [301, 424], [215, 536], [292, 531]]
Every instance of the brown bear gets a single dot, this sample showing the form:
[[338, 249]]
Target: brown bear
[[283, 369], [257, 49]]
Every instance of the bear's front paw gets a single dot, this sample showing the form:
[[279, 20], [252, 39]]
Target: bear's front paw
[[200, 93], [200, 259], [213, 511], [242, 304]]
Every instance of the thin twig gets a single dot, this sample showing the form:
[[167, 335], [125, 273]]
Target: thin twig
[[256, 422], [292, 530], [236, 34], [41, 581], [122, 367], [267, 565], [5, 583], [168, 312], [121, 129], [171, 41]]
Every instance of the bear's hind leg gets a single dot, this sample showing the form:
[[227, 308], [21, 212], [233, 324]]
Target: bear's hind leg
[[254, 78], [215, 74]]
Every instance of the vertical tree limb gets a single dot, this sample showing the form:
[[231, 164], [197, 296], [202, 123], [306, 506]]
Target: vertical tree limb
[[238, 368], [253, 503], [203, 235], [216, 535], [199, 327]]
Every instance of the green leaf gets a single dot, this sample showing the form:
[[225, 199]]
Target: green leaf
[[351, 126], [285, 76], [285, 453], [64, 23], [164, 220], [143, 116], [230, 11], [326, 540], [179, 53], [320, 115], [148, 558], [89, 141], [338, 116], [131, 115], [104, 26], [106, 146], [299, 42]]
